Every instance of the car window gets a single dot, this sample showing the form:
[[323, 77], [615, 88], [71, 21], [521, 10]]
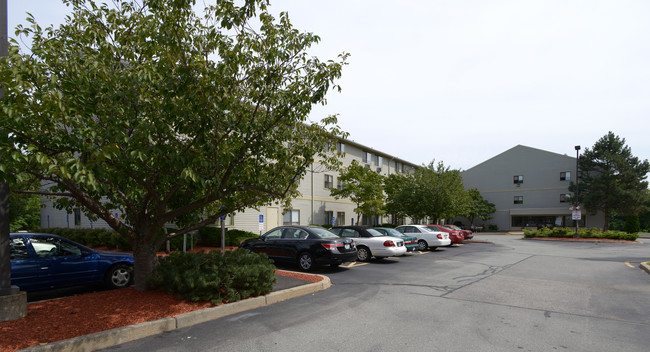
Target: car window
[[375, 233], [428, 229], [336, 231], [274, 235], [349, 233], [323, 233], [48, 247], [290, 234], [395, 232], [410, 229], [18, 249], [383, 231]]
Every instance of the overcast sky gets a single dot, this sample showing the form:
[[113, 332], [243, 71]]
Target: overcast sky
[[461, 81]]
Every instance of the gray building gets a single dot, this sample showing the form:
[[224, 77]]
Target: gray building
[[529, 188]]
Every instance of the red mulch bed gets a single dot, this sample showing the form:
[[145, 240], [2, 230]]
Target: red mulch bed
[[64, 318]]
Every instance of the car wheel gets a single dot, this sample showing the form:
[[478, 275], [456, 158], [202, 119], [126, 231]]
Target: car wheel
[[118, 276], [422, 245], [363, 254], [305, 261]]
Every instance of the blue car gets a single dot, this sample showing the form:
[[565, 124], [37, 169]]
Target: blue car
[[41, 261]]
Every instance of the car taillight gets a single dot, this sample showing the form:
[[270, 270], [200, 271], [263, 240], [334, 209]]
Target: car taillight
[[332, 246], [389, 243], [439, 236]]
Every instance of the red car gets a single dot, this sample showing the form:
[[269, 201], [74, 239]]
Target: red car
[[467, 233], [454, 235]]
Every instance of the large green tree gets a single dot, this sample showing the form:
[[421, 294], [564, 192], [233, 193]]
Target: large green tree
[[435, 191], [362, 186], [612, 180], [170, 117], [478, 207]]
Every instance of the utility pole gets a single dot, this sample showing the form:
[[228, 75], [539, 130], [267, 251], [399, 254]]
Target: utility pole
[[13, 303], [577, 207]]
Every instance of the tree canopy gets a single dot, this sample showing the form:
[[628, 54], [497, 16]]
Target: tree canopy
[[478, 207], [146, 107], [433, 191], [611, 179], [364, 187]]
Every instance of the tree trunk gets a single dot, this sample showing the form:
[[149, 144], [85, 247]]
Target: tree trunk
[[144, 256], [606, 224]]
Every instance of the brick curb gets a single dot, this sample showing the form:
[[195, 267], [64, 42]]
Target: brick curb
[[109, 338]]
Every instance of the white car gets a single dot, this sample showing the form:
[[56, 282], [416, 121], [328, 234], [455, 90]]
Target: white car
[[427, 238], [371, 243]]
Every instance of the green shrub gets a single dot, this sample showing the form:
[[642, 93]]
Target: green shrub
[[211, 236], [568, 232], [492, 227], [215, 277], [632, 224], [234, 236], [392, 226]]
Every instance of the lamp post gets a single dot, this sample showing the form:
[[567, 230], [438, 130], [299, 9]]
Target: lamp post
[[575, 196]]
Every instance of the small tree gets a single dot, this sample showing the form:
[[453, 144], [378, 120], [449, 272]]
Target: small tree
[[433, 191], [632, 224], [144, 107], [479, 207], [611, 179], [364, 187]]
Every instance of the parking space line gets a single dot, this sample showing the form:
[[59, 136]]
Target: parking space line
[[353, 264], [628, 264]]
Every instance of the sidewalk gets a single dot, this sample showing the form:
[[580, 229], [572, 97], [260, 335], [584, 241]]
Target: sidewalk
[[285, 288]]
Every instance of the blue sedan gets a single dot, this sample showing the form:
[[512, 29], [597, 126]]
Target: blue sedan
[[41, 261]]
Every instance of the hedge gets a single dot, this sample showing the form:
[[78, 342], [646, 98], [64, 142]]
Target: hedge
[[567, 232]]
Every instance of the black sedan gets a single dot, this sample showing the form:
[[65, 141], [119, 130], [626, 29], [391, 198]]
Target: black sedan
[[41, 261], [308, 246]]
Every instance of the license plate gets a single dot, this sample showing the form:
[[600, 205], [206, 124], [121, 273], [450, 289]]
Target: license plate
[[347, 246]]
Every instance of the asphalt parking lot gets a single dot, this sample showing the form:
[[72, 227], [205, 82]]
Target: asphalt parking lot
[[508, 295]]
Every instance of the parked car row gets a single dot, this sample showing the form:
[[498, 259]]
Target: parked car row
[[41, 261], [310, 246]]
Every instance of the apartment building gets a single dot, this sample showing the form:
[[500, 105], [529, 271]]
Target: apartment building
[[529, 188], [313, 206]]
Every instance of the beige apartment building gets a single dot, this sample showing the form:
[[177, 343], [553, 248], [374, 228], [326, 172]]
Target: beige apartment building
[[313, 206]]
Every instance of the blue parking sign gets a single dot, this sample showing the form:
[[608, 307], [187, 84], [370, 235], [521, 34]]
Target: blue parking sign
[[261, 218]]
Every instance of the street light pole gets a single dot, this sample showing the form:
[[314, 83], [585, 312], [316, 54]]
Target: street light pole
[[577, 207]]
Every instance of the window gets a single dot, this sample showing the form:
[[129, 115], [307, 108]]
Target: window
[[291, 217], [367, 157], [340, 218], [398, 166], [565, 198], [328, 217], [340, 147], [329, 181], [519, 200], [519, 179], [77, 216], [379, 161], [339, 185], [565, 176]]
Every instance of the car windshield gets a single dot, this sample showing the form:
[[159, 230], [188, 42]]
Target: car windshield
[[375, 233], [323, 233]]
